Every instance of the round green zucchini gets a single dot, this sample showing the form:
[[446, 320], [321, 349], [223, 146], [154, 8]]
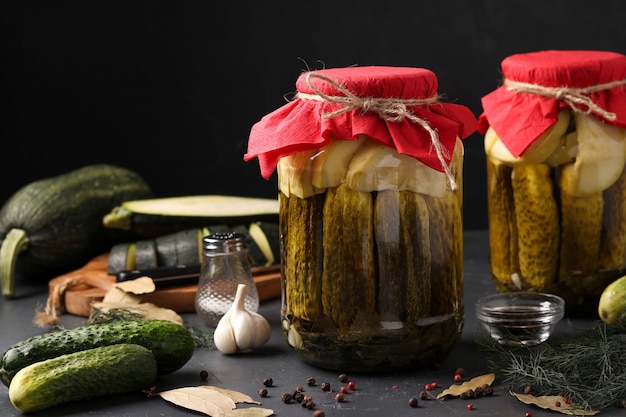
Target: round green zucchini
[[54, 225]]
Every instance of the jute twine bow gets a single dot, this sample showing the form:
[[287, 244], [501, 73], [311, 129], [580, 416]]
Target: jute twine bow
[[578, 99], [389, 109]]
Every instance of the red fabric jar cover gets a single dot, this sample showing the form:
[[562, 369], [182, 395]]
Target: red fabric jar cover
[[308, 121], [538, 85]]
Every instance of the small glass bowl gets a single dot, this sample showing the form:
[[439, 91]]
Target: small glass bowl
[[520, 318]]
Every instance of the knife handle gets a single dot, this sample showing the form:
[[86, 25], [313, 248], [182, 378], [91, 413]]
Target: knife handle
[[165, 275]]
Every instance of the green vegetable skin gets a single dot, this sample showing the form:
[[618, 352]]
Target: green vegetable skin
[[185, 248], [612, 304], [55, 224], [96, 372], [171, 344]]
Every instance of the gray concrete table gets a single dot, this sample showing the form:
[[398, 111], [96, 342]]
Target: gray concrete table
[[375, 395]]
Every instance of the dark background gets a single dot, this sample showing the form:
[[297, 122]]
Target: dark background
[[171, 89]]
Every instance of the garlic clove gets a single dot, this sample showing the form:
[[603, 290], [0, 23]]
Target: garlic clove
[[223, 337], [241, 330]]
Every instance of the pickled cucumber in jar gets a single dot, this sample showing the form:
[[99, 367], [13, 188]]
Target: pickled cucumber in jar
[[557, 201], [371, 256], [370, 217]]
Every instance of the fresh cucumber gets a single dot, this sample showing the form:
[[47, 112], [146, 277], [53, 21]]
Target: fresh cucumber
[[612, 304], [91, 373], [171, 344]]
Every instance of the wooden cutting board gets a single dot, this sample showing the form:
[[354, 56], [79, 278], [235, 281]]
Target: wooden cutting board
[[91, 282]]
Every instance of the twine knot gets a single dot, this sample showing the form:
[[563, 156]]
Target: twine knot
[[389, 109], [578, 99]]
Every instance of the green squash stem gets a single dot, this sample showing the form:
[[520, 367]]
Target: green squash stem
[[14, 243], [118, 218]]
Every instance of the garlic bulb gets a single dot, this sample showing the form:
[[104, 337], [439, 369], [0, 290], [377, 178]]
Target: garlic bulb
[[241, 330]]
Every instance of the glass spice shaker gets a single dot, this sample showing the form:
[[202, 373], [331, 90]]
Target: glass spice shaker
[[224, 266]]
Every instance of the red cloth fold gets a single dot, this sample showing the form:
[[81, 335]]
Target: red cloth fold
[[519, 118], [300, 125]]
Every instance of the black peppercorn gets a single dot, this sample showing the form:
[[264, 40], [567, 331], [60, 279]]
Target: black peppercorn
[[263, 392], [319, 413], [286, 398], [310, 381], [340, 397], [343, 378], [204, 375], [413, 401], [325, 386], [423, 395], [298, 396], [268, 382]]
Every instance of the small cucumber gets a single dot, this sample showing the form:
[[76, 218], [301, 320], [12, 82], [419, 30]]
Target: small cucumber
[[612, 303], [171, 344], [91, 373]]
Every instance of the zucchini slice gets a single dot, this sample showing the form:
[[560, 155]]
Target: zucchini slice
[[160, 216]]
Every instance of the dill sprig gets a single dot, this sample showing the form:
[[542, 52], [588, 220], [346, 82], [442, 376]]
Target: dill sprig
[[589, 367]]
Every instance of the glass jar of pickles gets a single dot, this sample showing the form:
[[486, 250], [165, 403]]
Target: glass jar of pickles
[[369, 166], [555, 140]]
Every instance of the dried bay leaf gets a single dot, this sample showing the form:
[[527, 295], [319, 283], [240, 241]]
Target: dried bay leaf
[[126, 296], [458, 389], [550, 402], [146, 311], [250, 412], [141, 285], [236, 396], [215, 401], [207, 401]]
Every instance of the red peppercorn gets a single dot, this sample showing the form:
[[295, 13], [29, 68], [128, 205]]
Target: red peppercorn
[[470, 406], [428, 387], [460, 371], [344, 390], [434, 384], [458, 378], [528, 414], [351, 385]]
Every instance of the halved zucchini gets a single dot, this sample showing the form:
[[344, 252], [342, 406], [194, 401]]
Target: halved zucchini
[[161, 216]]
